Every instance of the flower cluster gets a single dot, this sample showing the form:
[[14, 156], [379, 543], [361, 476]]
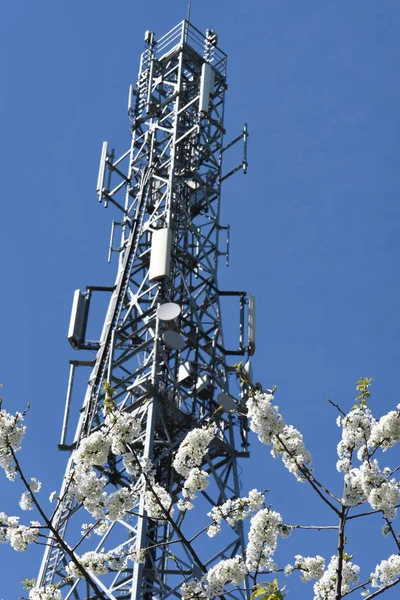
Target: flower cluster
[[19, 536], [94, 562], [118, 431], [12, 432], [230, 570], [356, 429], [191, 452], [99, 563], [194, 590], [311, 567], [325, 587], [361, 431], [89, 489], [158, 503], [118, 503], [386, 432], [234, 510], [93, 450], [188, 460], [286, 441], [197, 480], [26, 502], [265, 526], [386, 572], [123, 429], [369, 483], [50, 592]]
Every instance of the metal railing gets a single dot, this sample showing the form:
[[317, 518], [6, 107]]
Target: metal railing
[[186, 33]]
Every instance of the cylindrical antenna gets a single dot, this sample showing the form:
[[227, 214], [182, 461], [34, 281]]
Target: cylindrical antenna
[[189, 10]]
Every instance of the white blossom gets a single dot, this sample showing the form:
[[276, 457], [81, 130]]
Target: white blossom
[[356, 428], [89, 489], [312, 567], [191, 452], [194, 590], [153, 497], [35, 485], [385, 498], [369, 483], [386, 572], [230, 570], [95, 562], [265, 419], [294, 454], [197, 480], [26, 501], [265, 526], [123, 429], [12, 432], [101, 528], [93, 450], [19, 537], [119, 503], [234, 510], [288, 570], [131, 464], [325, 587], [386, 432], [286, 441], [49, 592]]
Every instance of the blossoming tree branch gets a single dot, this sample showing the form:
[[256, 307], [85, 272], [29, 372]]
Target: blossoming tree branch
[[369, 487]]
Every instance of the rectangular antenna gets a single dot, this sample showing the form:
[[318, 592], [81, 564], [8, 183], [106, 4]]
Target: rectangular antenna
[[130, 98], [78, 321], [102, 171], [206, 87], [161, 242], [251, 329]]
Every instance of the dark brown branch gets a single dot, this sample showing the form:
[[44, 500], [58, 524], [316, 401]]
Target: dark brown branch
[[341, 543]]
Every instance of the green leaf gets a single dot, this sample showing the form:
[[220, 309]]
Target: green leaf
[[260, 589], [29, 583]]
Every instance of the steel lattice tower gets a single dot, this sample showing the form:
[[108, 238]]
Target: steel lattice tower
[[161, 346]]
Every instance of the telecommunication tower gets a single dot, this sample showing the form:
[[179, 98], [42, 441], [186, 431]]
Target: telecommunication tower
[[161, 347]]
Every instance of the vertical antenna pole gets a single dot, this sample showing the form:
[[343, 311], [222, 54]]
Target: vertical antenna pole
[[189, 10]]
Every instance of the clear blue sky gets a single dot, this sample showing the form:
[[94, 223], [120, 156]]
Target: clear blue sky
[[315, 225]]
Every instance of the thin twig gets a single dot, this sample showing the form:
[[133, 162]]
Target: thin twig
[[337, 406], [382, 589], [394, 536]]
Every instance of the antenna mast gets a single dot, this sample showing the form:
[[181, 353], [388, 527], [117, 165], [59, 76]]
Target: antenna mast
[[161, 347]]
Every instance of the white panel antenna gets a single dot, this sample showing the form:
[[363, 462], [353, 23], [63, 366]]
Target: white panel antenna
[[160, 257], [77, 323], [252, 325], [206, 87], [102, 171]]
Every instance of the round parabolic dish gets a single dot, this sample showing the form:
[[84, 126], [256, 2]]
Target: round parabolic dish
[[173, 340], [226, 401], [168, 311]]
